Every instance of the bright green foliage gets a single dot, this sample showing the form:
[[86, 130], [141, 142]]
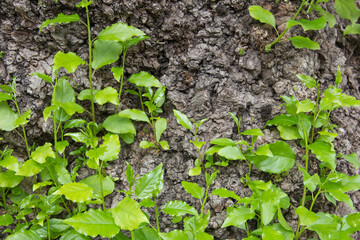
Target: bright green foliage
[[308, 81], [193, 189], [25, 234], [282, 159], [73, 235], [150, 184], [352, 29], [105, 52], [120, 32], [93, 223], [224, 193], [160, 127], [324, 153], [61, 18], [8, 179], [262, 15], [176, 234], [354, 159], [9, 162], [76, 192], [127, 214], [117, 72], [304, 42], [30, 168], [144, 79], [106, 95], [108, 185], [183, 120], [315, 24], [6, 219], [43, 152], [44, 77], [70, 61], [134, 114], [120, 125], [8, 117], [347, 9], [5, 97], [178, 208], [237, 216]]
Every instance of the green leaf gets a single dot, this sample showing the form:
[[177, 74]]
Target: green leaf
[[144, 79], [353, 219], [224, 193], [347, 9], [307, 217], [310, 182], [134, 41], [61, 18], [223, 142], [7, 88], [71, 108], [70, 61], [183, 120], [74, 123], [93, 181], [354, 159], [84, 3], [315, 24], [264, 150], [308, 81], [178, 208], [5, 97], [145, 233], [329, 17], [282, 160], [146, 144], [352, 29], [86, 94], [304, 42], [195, 171], [111, 146], [282, 221], [30, 168], [193, 189], [231, 153], [237, 216], [105, 52], [213, 149], [339, 195], [10, 162], [288, 132], [93, 223], [197, 144], [128, 215], [262, 15], [60, 146], [164, 145], [324, 153], [73, 235], [253, 132], [304, 125], [120, 125], [174, 235], [159, 96], [6, 219], [268, 233], [285, 120], [117, 72], [160, 127], [106, 95], [134, 114], [150, 184], [8, 117], [120, 32], [76, 192], [44, 77], [23, 119], [41, 185], [25, 234], [43, 152], [8, 179]]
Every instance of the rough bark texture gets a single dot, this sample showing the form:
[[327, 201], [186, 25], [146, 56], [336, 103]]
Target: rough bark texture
[[194, 51]]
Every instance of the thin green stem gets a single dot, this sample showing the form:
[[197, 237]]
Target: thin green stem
[[157, 216], [101, 187], [121, 81], [4, 198], [141, 101], [132, 235], [247, 229], [311, 6], [287, 28], [203, 204], [90, 68], [316, 113], [48, 227], [22, 126]]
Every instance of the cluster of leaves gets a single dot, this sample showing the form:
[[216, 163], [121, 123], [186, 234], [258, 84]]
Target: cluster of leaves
[[344, 8]]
